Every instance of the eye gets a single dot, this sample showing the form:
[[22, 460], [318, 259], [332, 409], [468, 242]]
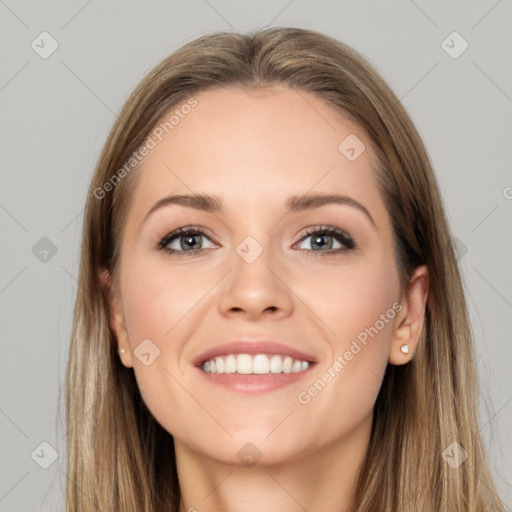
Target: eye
[[325, 240], [183, 241]]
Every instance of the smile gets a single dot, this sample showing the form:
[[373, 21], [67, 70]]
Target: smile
[[254, 373], [254, 364]]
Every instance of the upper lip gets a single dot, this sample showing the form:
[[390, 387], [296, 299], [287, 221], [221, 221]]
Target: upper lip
[[259, 346]]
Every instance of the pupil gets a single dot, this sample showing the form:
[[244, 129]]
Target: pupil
[[317, 238], [189, 239]]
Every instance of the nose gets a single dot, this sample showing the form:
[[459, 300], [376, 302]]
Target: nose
[[256, 289]]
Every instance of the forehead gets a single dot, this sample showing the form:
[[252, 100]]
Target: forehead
[[257, 147]]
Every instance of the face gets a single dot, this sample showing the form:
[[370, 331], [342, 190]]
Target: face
[[316, 280]]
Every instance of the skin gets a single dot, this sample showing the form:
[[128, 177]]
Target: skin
[[253, 150]]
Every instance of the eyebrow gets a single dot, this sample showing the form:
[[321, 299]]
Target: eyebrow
[[213, 204]]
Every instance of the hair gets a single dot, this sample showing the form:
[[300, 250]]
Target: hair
[[119, 457]]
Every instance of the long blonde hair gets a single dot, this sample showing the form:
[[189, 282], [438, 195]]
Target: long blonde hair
[[119, 457]]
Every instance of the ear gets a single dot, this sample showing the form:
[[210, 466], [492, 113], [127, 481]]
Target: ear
[[410, 320], [116, 319]]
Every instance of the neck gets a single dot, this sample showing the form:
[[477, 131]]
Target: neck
[[324, 479]]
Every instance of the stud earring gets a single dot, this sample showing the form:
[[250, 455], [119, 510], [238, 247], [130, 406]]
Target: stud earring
[[121, 351], [404, 349]]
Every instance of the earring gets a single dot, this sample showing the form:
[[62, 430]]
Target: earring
[[121, 351], [404, 349]]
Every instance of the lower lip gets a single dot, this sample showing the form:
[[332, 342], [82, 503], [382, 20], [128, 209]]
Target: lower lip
[[255, 384]]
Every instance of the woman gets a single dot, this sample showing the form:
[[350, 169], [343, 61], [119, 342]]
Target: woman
[[270, 314]]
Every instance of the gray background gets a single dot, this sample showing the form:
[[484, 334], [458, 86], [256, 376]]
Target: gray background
[[56, 113]]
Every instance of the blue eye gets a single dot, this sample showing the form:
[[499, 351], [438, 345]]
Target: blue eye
[[186, 239], [318, 236]]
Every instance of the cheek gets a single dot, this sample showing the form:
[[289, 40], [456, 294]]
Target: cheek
[[363, 305], [158, 311], [155, 307], [155, 300], [353, 299], [357, 308]]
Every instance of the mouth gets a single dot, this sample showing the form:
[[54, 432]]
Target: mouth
[[254, 373], [254, 364]]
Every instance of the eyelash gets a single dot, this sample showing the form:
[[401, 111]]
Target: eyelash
[[339, 234]]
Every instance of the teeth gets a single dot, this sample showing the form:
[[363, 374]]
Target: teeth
[[276, 364], [229, 364], [244, 364], [259, 364], [219, 363]]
